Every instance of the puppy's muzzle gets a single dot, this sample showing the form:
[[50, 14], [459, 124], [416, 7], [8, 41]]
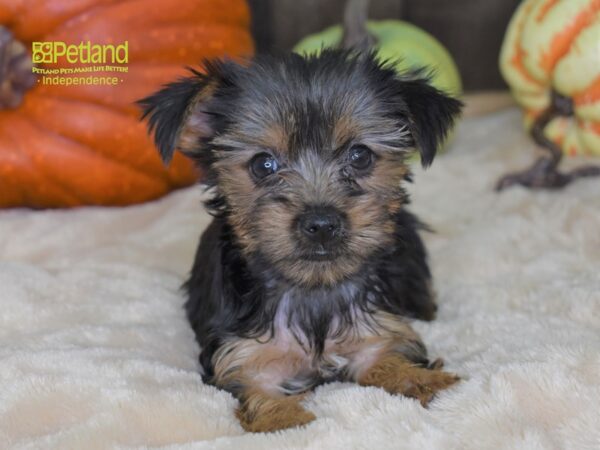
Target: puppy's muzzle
[[322, 226]]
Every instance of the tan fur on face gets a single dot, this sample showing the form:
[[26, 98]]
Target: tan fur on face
[[312, 178], [263, 224]]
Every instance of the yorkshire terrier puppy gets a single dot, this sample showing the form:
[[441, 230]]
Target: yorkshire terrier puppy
[[312, 268]]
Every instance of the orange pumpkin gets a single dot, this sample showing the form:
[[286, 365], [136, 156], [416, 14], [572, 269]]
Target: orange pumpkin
[[65, 146]]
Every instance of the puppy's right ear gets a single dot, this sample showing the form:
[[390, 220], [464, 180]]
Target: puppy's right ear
[[179, 114]]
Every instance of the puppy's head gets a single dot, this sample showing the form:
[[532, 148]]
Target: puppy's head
[[306, 155]]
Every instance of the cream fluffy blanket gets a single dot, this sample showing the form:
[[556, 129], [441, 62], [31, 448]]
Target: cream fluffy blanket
[[95, 351]]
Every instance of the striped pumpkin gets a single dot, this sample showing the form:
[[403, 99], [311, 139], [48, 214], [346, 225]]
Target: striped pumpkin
[[64, 146], [555, 45]]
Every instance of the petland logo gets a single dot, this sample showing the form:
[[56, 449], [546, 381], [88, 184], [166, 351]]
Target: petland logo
[[105, 61], [84, 53]]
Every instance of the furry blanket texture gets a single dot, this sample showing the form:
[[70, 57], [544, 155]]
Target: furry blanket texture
[[95, 350]]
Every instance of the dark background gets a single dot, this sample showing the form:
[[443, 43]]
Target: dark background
[[472, 30]]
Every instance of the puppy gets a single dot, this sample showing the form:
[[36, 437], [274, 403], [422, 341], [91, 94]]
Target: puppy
[[311, 268]]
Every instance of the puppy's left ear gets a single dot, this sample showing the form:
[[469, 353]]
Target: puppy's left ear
[[431, 116], [180, 114]]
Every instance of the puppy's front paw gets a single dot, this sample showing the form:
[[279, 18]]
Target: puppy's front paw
[[264, 415], [423, 384], [397, 375]]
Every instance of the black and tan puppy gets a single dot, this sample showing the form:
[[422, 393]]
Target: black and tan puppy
[[311, 268]]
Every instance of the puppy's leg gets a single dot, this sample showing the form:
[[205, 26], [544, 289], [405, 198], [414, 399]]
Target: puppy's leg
[[257, 373], [393, 357], [260, 411], [398, 375]]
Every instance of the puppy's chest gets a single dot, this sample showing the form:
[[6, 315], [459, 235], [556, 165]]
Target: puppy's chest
[[325, 331], [318, 337]]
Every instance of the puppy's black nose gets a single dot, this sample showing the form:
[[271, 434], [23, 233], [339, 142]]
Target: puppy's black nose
[[320, 225]]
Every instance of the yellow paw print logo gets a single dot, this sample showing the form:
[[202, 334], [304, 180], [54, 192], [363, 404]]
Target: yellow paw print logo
[[41, 52]]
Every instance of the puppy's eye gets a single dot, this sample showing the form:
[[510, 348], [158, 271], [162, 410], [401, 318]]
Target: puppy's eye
[[263, 165], [361, 157]]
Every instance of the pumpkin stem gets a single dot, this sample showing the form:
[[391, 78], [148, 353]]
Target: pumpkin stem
[[544, 173], [356, 34], [16, 77]]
